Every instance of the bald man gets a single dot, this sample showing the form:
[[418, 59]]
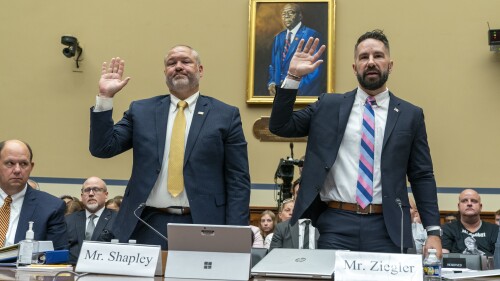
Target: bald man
[[95, 222], [469, 234], [23, 204]]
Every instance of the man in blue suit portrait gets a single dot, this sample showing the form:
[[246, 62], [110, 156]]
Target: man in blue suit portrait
[[21, 203], [362, 148], [190, 161], [284, 46]]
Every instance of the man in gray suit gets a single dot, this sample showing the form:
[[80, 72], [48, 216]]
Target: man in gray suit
[[301, 235], [92, 224]]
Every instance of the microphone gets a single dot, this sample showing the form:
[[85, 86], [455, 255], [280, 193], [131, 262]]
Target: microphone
[[398, 201], [142, 205]]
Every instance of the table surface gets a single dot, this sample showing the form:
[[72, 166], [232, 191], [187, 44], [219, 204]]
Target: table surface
[[7, 273]]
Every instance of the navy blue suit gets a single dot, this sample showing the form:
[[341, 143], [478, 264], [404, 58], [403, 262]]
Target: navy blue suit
[[47, 213], [405, 153], [77, 224], [312, 84], [216, 174]]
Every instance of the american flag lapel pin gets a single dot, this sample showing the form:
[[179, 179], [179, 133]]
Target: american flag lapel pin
[[201, 112], [396, 109]]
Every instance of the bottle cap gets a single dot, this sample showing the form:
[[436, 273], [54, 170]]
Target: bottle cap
[[30, 235]]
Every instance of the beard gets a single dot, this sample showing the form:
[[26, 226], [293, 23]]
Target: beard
[[372, 84], [183, 82], [92, 207]]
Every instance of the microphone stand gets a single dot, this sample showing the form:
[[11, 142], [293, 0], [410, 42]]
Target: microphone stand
[[398, 201], [142, 205]]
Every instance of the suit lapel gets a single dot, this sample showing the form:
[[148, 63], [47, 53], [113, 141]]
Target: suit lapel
[[26, 215], [161, 118], [344, 112], [294, 231], [200, 114], [81, 226], [392, 117], [101, 223]]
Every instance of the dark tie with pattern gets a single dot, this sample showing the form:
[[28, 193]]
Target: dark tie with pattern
[[287, 45], [306, 234]]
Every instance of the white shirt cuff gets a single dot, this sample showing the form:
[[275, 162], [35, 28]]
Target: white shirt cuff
[[103, 104], [290, 84]]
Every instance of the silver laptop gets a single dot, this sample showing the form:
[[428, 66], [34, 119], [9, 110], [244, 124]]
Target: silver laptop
[[296, 263], [220, 252]]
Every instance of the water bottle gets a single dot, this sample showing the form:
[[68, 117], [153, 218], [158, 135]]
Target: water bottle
[[432, 266], [28, 248], [496, 258]]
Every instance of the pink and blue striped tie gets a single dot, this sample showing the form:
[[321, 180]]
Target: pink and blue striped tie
[[364, 190]]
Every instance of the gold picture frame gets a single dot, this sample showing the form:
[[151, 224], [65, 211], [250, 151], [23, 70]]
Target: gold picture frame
[[267, 35]]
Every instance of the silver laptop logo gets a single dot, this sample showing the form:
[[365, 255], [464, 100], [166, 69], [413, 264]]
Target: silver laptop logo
[[300, 259]]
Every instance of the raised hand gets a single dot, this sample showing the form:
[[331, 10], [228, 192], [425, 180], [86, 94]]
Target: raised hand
[[111, 81], [305, 61]]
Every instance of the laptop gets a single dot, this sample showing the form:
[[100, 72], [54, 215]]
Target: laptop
[[296, 263], [220, 252]]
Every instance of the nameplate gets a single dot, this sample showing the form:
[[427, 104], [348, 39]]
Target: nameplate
[[120, 259], [362, 266]]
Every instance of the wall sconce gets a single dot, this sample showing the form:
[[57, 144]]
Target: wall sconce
[[73, 48]]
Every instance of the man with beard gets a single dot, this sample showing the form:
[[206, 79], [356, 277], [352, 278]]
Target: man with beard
[[92, 224], [190, 165], [284, 45], [362, 146]]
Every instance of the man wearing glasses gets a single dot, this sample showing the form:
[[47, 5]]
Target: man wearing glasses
[[284, 46], [95, 222]]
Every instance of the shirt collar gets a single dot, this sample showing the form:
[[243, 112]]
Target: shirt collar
[[98, 213], [381, 98], [191, 101], [16, 196]]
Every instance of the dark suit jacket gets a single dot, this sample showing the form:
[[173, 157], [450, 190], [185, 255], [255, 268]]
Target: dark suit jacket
[[47, 213], [216, 175], [76, 223], [312, 84], [405, 153], [287, 236]]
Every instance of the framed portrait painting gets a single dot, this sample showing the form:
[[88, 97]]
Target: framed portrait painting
[[275, 30]]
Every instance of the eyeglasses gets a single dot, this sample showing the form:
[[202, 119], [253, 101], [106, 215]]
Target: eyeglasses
[[94, 189]]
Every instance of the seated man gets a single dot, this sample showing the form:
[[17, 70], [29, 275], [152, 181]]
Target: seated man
[[417, 229], [21, 204], [301, 235], [469, 234], [93, 223]]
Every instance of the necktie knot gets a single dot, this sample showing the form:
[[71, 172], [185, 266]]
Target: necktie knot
[[92, 217], [182, 105], [371, 101], [8, 200]]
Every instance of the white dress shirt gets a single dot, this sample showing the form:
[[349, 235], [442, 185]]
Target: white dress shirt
[[312, 234], [340, 183], [159, 196], [15, 212]]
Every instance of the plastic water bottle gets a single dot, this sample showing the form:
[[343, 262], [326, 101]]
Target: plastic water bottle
[[432, 266], [28, 248]]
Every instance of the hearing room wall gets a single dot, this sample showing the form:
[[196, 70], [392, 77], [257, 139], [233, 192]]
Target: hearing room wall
[[442, 63]]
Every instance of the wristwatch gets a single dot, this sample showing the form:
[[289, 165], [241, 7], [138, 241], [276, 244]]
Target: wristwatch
[[435, 232]]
